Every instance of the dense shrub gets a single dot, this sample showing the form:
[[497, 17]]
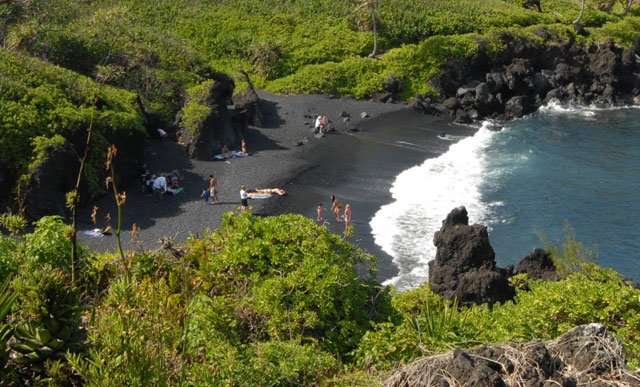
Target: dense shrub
[[196, 109], [285, 277]]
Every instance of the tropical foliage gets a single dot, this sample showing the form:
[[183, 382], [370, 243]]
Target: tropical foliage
[[263, 301], [158, 50]]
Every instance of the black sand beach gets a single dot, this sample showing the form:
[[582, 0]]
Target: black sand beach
[[358, 167]]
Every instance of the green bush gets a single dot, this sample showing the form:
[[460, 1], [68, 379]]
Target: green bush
[[283, 277], [540, 311], [624, 32], [48, 244], [196, 110], [135, 336]]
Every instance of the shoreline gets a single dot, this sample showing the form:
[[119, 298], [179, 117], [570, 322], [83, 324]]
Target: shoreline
[[309, 173]]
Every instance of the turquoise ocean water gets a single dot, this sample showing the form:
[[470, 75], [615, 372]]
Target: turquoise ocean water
[[528, 181]]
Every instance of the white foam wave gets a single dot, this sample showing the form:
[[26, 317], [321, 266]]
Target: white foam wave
[[422, 197], [556, 107]]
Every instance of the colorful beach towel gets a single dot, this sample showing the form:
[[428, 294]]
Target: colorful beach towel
[[96, 233]]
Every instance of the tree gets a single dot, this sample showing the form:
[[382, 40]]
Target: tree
[[626, 6], [371, 5], [576, 23]]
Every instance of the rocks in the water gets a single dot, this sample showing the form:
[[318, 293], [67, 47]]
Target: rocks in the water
[[464, 267], [585, 355], [538, 265]]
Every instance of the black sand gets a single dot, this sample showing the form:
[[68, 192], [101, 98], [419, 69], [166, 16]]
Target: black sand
[[358, 167]]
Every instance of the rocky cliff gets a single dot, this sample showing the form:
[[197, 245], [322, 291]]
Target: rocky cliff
[[527, 74]]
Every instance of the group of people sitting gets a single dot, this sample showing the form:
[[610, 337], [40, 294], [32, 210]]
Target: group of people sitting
[[226, 153], [320, 126], [162, 183]]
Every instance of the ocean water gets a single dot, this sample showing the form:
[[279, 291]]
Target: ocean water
[[527, 182]]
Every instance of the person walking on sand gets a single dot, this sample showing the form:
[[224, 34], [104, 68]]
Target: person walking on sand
[[347, 217], [205, 195], [335, 207], [213, 190], [243, 198], [319, 210]]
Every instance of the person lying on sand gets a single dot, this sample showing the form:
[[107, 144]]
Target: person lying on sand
[[266, 192]]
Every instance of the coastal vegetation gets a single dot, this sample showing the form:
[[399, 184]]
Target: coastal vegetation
[[151, 53], [260, 301]]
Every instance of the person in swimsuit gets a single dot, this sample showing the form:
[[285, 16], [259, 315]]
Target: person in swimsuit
[[213, 190], [319, 210], [243, 198], [347, 217]]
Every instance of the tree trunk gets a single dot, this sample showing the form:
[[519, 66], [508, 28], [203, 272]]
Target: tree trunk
[[372, 5], [576, 22], [626, 7]]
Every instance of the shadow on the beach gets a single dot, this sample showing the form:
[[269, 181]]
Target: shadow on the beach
[[162, 156], [260, 142], [271, 119]]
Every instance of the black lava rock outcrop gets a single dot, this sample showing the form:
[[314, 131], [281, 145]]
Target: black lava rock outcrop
[[44, 191], [584, 356], [538, 265], [216, 129], [525, 75], [465, 267], [227, 121]]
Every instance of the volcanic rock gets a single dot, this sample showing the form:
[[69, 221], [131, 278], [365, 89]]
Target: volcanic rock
[[465, 267]]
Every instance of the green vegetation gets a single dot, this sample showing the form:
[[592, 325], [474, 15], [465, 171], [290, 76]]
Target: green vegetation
[[154, 53], [263, 301], [41, 104]]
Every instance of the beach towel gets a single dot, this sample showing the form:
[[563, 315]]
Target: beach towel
[[265, 193], [235, 154], [97, 233], [259, 196]]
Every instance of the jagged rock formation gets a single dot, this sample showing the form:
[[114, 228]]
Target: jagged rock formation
[[465, 267], [585, 355], [538, 265], [526, 75], [226, 122], [246, 111], [216, 129]]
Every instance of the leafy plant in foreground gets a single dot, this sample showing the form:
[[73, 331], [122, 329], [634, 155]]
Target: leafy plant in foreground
[[49, 316]]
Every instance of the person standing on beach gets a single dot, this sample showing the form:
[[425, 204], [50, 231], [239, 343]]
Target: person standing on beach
[[336, 210], [243, 147], [335, 207], [213, 190], [243, 198], [347, 217], [319, 210]]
